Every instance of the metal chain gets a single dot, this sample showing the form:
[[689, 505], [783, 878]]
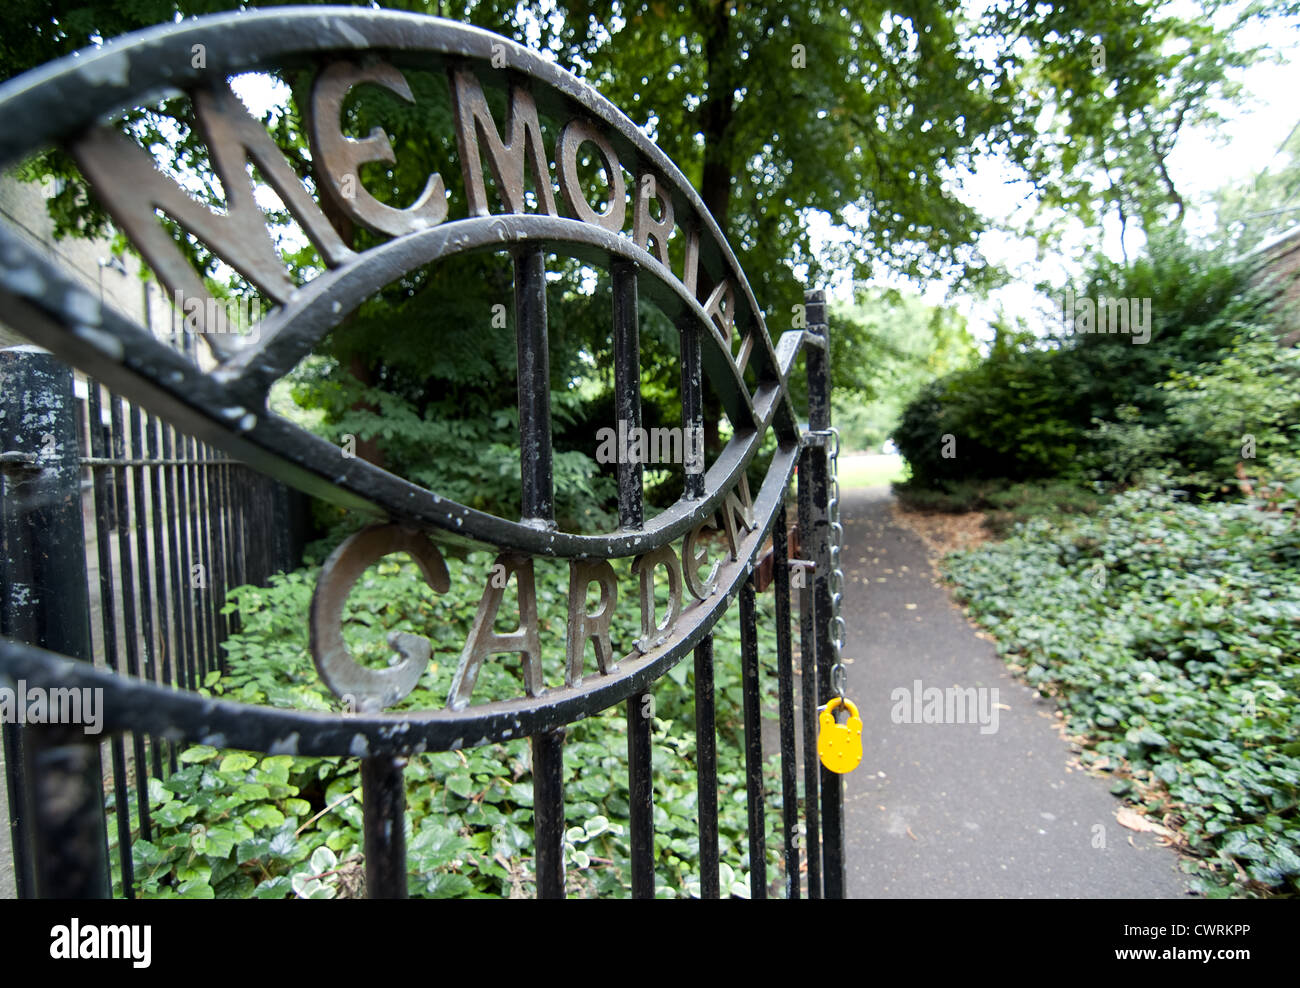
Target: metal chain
[[839, 675]]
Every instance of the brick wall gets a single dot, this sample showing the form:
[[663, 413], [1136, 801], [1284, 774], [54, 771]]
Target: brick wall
[[119, 285], [1275, 266]]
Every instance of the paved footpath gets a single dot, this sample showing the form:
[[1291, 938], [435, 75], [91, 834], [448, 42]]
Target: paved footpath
[[945, 810]]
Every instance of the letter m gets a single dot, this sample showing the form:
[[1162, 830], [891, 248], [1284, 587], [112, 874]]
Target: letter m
[[1117, 315], [132, 188], [959, 702], [474, 123], [115, 938], [65, 705]]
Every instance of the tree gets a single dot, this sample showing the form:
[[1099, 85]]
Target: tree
[[1111, 87], [916, 342], [772, 110]]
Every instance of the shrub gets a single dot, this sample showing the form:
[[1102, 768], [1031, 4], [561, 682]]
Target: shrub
[[1243, 407], [1099, 404]]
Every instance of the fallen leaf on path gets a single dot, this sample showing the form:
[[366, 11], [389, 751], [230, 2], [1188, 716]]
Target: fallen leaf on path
[[1129, 817]]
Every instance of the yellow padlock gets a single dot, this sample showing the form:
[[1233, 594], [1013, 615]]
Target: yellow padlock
[[840, 745]]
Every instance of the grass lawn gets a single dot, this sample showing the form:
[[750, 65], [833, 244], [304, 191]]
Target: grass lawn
[[870, 470]]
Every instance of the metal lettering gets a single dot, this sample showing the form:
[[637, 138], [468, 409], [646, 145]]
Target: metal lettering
[[644, 226], [370, 689], [653, 635], [723, 315], [692, 561], [737, 509], [593, 625], [507, 159], [339, 158], [132, 187], [484, 641], [691, 262], [576, 133]]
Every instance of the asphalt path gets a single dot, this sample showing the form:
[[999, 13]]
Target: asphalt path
[[978, 809]]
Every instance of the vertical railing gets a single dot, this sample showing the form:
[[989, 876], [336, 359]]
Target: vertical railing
[[118, 565], [785, 702], [631, 517], [815, 519], [754, 794], [54, 778], [537, 504]]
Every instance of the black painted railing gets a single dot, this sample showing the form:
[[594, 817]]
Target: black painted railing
[[674, 256]]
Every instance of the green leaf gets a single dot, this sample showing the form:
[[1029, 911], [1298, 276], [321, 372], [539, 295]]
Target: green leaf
[[274, 888], [198, 753], [323, 859], [158, 793], [235, 762], [461, 784], [263, 816], [444, 885]]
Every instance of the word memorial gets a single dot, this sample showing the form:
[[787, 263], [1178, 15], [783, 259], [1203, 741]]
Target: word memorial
[[240, 233], [546, 169]]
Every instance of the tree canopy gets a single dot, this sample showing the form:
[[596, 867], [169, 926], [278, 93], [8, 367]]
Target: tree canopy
[[870, 112]]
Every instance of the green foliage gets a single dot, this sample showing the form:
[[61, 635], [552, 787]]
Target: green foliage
[[1100, 405], [1244, 407], [1128, 450], [863, 111], [1168, 631], [896, 343], [1002, 418], [1113, 87], [1017, 503], [242, 824], [234, 825]]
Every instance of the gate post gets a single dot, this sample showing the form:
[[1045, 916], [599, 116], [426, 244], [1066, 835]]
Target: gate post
[[819, 420], [56, 795]]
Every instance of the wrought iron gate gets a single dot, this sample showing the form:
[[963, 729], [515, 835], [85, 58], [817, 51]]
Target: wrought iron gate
[[725, 344]]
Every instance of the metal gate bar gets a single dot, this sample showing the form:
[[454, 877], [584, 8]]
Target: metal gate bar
[[163, 597]]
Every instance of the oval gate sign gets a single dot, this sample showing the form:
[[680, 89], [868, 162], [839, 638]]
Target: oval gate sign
[[537, 206]]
